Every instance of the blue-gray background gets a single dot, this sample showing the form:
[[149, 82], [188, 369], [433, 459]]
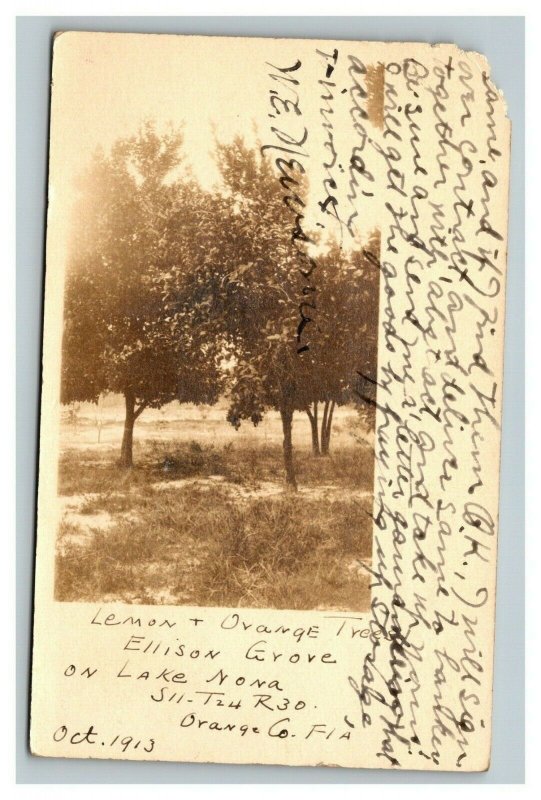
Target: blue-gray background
[[501, 39]]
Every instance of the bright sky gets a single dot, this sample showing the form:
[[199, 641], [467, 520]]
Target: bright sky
[[106, 85]]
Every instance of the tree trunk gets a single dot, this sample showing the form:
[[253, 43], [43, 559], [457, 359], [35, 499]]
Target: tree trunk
[[312, 416], [126, 450], [286, 414], [326, 426], [324, 451]]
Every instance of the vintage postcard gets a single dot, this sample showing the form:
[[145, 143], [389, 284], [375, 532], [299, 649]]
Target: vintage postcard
[[272, 387]]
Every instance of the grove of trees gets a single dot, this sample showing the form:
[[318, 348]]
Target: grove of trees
[[173, 292]]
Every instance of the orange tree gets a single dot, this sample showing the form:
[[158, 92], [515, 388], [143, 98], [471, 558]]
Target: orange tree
[[132, 317], [348, 300], [258, 292]]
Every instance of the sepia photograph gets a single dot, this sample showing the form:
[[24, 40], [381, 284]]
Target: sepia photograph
[[271, 402], [219, 334]]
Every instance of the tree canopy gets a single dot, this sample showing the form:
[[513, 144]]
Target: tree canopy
[[126, 329], [263, 292], [173, 292]]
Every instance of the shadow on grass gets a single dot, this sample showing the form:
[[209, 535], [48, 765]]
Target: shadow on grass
[[191, 544], [81, 472]]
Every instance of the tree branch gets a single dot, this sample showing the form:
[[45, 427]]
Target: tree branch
[[139, 410], [329, 422]]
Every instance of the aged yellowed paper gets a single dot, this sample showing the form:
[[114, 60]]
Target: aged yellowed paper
[[272, 385]]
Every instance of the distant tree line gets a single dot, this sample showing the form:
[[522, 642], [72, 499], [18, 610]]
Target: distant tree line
[[177, 293]]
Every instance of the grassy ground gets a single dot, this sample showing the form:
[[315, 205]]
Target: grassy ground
[[196, 524]]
